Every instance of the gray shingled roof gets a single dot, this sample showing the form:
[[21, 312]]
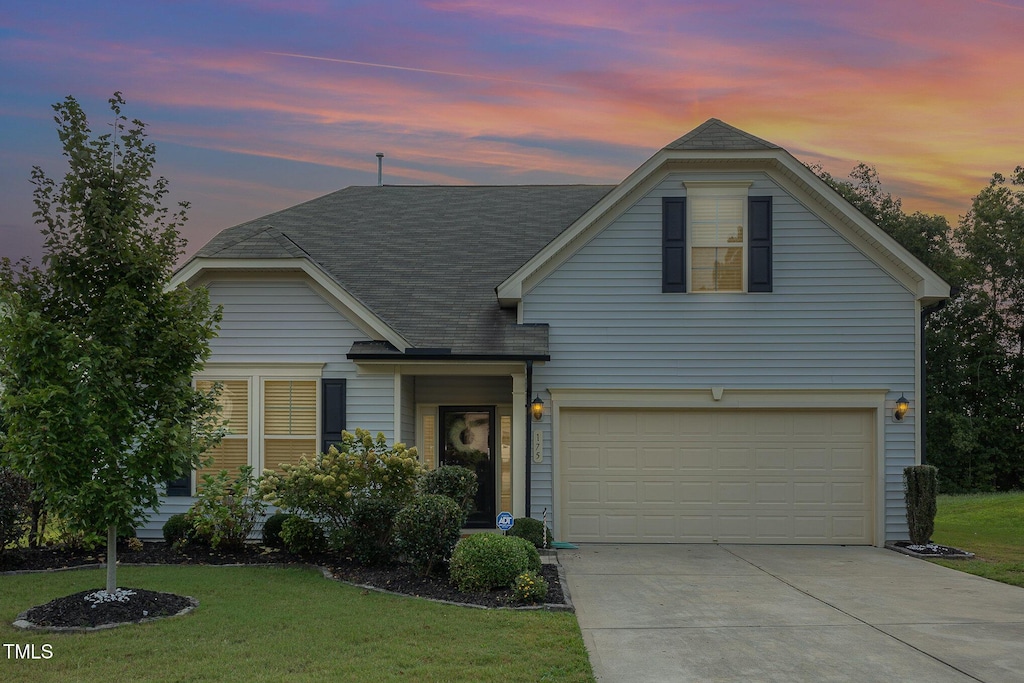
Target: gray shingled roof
[[425, 259], [717, 135]]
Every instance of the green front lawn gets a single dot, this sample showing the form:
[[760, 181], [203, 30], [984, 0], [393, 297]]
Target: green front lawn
[[267, 624], [990, 525]]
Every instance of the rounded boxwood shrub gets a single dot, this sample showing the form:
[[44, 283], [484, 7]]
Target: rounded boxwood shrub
[[482, 562], [427, 529], [455, 481], [533, 530], [272, 529], [370, 534], [302, 536], [178, 529]]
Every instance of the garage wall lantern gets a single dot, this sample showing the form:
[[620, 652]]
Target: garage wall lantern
[[537, 408], [902, 406]]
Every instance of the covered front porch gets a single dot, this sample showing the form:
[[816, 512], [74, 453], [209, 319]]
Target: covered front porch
[[468, 413]]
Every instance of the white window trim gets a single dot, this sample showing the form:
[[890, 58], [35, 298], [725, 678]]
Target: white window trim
[[697, 190], [257, 374]]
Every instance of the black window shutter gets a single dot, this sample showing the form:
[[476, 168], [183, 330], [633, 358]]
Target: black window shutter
[[179, 487], [759, 265], [673, 244], [332, 417]]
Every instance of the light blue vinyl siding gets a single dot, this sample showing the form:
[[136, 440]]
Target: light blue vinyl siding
[[835, 320], [285, 321]]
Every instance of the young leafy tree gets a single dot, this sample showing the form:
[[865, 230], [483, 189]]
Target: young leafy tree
[[96, 354]]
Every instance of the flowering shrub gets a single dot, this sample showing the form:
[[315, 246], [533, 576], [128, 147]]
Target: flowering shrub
[[227, 509], [529, 588], [327, 486], [482, 562]]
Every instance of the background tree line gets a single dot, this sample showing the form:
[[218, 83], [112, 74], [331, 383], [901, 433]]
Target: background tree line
[[975, 341]]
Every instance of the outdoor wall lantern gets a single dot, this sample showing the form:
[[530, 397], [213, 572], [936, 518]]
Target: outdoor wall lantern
[[902, 406], [537, 408]]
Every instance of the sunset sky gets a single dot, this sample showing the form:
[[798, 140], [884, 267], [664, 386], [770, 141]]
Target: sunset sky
[[256, 106]]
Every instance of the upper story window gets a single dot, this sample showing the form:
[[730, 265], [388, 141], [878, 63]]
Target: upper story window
[[716, 239]]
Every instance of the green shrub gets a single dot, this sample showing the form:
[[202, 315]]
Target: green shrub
[[920, 486], [328, 486], [370, 535], [15, 506], [457, 482], [427, 529], [227, 509], [272, 529], [533, 530], [178, 529], [529, 588], [303, 536], [482, 562]]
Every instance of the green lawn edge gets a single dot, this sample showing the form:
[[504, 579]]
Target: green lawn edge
[[274, 624], [990, 525]]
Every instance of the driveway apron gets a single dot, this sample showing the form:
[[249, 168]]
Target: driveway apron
[[789, 613]]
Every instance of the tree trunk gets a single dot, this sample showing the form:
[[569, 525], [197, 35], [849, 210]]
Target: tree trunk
[[111, 558]]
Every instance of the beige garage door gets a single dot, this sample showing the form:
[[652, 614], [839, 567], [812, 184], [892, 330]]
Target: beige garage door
[[728, 476]]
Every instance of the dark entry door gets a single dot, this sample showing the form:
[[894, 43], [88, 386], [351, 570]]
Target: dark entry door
[[467, 439]]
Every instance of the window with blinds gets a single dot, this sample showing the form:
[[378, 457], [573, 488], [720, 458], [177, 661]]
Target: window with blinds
[[717, 240], [289, 421], [233, 451]]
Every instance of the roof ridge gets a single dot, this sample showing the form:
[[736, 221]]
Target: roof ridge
[[715, 134]]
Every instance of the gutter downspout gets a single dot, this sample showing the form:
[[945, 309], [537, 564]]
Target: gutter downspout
[[529, 435]]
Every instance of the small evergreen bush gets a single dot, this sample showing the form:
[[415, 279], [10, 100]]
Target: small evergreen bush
[[482, 562], [529, 588], [303, 536], [272, 529], [370, 534], [15, 506], [920, 486], [178, 529], [533, 530], [427, 530], [457, 482]]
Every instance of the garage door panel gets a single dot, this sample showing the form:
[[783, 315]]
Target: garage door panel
[[740, 476], [620, 459]]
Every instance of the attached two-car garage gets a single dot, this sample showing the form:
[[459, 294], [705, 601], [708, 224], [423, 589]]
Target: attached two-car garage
[[717, 475]]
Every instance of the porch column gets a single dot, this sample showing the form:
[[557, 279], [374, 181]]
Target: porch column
[[519, 449]]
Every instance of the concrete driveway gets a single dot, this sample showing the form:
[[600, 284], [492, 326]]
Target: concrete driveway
[[789, 613]]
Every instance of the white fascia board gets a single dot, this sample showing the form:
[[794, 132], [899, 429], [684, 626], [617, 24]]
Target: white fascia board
[[928, 286], [199, 270], [510, 292]]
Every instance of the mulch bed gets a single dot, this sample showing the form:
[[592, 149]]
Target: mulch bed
[[931, 551], [76, 611]]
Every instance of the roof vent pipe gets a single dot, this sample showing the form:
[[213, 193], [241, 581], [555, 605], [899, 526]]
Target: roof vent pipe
[[380, 169]]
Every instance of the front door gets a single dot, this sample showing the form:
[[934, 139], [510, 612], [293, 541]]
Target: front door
[[467, 439]]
